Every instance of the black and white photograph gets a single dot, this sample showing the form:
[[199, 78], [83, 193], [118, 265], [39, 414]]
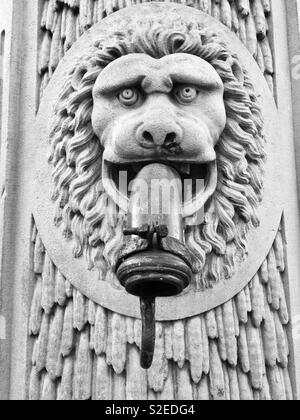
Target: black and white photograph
[[150, 203]]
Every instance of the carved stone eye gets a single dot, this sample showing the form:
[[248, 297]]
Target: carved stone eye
[[129, 96], [186, 94]]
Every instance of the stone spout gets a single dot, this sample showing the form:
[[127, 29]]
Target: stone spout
[[156, 270]]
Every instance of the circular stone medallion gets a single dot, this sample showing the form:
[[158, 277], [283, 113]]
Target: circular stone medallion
[[259, 240]]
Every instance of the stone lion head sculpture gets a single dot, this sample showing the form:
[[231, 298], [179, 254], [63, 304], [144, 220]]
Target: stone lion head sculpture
[[158, 91]]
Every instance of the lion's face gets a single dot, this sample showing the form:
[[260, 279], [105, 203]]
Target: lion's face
[[158, 93], [168, 110]]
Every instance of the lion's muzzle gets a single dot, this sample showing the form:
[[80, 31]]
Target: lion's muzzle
[[160, 132]]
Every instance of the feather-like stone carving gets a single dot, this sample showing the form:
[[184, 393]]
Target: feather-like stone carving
[[68, 332], [39, 253], [211, 324], [229, 330], [34, 385], [195, 347], [100, 330], [83, 368], [238, 351], [54, 362], [36, 308], [119, 343], [183, 384], [217, 384], [179, 343], [48, 285], [136, 378], [256, 358], [158, 372], [48, 392], [80, 308], [168, 392], [249, 20], [102, 380], [40, 353], [66, 386], [60, 296]]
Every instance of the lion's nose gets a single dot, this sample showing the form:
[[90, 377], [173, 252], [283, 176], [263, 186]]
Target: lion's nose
[[152, 137]]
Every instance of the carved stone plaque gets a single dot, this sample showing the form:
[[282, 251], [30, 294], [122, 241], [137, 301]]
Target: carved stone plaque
[[158, 90], [82, 132]]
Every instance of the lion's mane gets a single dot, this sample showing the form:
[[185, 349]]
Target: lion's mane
[[87, 213]]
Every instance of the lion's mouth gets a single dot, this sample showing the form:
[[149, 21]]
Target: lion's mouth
[[199, 182], [187, 172]]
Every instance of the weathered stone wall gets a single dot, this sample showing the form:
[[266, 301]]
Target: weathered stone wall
[[5, 34], [82, 351], [237, 361], [77, 349]]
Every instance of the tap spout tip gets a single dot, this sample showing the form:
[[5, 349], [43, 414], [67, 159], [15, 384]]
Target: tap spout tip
[[148, 331]]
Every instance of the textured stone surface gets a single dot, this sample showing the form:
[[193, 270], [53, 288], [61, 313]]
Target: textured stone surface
[[239, 379], [239, 350], [63, 22]]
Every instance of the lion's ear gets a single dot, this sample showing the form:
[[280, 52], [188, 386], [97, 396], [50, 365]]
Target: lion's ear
[[77, 76], [237, 70]]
